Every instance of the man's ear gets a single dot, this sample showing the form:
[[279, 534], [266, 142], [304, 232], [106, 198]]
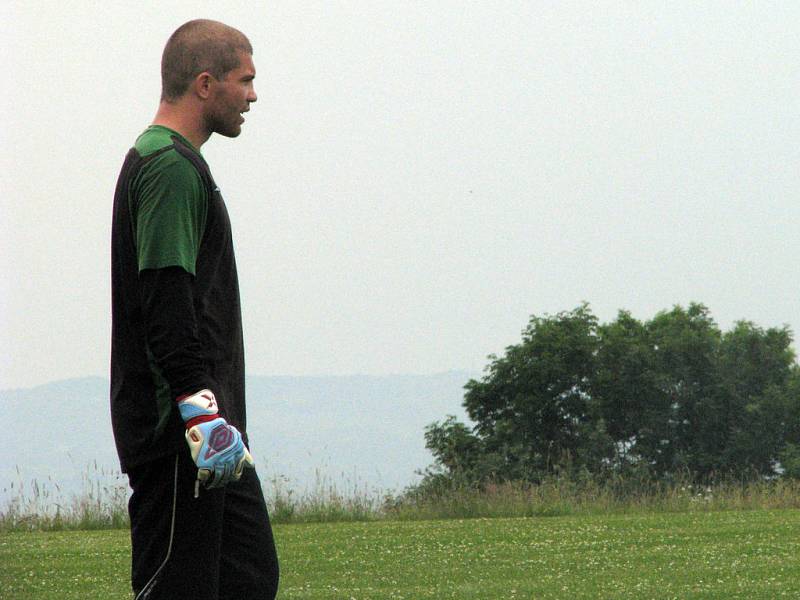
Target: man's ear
[[202, 84]]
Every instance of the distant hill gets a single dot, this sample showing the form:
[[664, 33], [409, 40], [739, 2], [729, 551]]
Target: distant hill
[[364, 431]]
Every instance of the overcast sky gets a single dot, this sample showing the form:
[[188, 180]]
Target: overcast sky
[[416, 178]]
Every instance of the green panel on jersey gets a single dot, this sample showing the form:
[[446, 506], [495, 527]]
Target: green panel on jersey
[[171, 204], [156, 137]]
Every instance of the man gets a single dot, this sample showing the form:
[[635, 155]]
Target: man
[[199, 523]]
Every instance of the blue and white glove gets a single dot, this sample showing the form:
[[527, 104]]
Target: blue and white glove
[[217, 448]]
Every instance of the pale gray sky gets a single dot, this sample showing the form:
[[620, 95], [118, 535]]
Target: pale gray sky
[[417, 178]]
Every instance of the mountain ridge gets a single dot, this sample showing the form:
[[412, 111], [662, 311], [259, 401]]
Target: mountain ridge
[[301, 428]]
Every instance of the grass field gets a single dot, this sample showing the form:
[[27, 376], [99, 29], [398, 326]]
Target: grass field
[[729, 554]]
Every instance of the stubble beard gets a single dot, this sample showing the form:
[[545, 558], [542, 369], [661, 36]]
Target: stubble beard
[[215, 123]]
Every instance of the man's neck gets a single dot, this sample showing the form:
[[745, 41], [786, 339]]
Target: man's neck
[[180, 118]]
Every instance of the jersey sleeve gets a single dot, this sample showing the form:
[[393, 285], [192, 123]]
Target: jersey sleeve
[[167, 298], [170, 215]]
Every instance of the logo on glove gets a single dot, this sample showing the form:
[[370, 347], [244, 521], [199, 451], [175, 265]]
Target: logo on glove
[[212, 402], [219, 439]]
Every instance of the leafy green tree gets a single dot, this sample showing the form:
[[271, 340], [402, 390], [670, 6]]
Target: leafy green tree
[[679, 418], [454, 446], [531, 408], [625, 391], [670, 396], [790, 453], [756, 397]]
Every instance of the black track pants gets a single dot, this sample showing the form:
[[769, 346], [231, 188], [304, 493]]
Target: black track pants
[[221, 546]]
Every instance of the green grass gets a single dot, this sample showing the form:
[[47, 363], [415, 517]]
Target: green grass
[[564, 497], [722, 554], [103, 501]]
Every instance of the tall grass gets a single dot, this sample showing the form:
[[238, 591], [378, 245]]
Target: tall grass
[[325, 501], [559, 497], [103, 501], [43, 506]]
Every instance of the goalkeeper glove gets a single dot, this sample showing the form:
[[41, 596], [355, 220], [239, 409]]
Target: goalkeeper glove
[[216, 447]]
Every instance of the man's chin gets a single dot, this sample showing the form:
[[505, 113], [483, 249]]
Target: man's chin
[[229, 132]]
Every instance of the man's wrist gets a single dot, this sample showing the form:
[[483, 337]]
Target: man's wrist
[[201, 419], [198, 407]]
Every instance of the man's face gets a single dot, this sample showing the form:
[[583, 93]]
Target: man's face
[[231, 97]]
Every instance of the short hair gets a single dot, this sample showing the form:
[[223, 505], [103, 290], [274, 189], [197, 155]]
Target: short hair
[[198, 46]]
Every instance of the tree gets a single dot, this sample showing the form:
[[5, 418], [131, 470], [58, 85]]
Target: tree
[[673, 395], [625, 389], [531, 408], [678, 429], [757, 397], [454, 446]]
